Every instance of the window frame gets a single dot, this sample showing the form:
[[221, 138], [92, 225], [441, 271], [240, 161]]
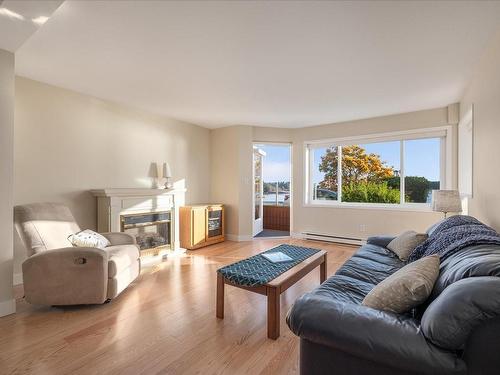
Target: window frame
[[446, 159]]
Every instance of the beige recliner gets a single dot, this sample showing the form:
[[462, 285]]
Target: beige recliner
[[56, 273]]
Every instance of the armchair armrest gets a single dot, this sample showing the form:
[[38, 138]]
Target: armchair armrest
[[119, 238], [66, 276], [370, 334], [382, 241]]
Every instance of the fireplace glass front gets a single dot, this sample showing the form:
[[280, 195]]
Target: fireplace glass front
[[151, 230]]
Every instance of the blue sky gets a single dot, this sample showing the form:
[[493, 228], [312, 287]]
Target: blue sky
[[421, 157], [276, 163]]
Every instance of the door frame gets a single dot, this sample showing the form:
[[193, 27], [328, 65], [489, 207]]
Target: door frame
[[255, 230], [290, 148]]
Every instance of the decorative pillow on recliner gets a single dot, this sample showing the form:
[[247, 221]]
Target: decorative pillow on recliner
[[406, 288], [459, 309], [405, 243], [88, 238]]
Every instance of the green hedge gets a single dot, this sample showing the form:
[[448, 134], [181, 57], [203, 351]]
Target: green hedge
[[370, 192]]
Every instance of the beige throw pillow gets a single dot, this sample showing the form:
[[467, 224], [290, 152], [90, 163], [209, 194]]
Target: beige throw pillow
[[405, 243], [405, 288]]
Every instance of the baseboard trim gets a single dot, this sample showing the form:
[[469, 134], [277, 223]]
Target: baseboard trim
[[271, 238], [238, 238], [18, 278], [329, 238], [7, 307]]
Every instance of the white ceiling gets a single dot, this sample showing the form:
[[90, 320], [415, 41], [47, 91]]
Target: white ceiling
[[282, 64], [20, 19]]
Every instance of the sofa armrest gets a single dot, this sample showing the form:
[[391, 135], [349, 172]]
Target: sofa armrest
[[119, 238], [460, 309], [381, 241], [370, 334], [66, 276]]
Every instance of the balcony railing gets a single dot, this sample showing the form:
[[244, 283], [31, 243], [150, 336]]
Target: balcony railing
[[277, 210], [277, 217]]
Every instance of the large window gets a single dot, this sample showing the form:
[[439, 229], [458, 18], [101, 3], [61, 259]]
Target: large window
[[381, 170], [422, 169]]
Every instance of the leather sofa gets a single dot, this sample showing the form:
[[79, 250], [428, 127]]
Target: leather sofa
[[457, 331], [57, 273]]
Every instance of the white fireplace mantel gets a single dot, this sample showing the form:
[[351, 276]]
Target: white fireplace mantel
[[134, 192], [114, 202]]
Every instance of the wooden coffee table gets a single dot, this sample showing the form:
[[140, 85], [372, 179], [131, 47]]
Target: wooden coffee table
[[274, 288]]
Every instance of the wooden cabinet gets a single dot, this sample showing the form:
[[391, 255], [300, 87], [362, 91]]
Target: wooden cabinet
[[201, 225]]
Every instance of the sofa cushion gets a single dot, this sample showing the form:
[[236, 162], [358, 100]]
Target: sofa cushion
[[379, 254], [344, 289], [405, 243], [473, 261], [371, 264], [451, 318], [120, 258], [406, 288], [382, 240]]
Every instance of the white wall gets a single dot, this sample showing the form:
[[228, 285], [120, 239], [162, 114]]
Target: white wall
[[231, 177], [346, 221], [67, 143], [484, 92], [245, 181], [335, 221], [7, 303], [224, 176]]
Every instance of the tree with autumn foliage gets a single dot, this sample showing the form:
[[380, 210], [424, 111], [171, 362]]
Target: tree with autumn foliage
[[357, 167]]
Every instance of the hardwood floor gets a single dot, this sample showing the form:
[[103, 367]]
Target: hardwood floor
[[164, 323]]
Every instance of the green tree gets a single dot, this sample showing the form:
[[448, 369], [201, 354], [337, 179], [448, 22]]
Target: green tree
[[357, 167], [270, 187], [369, 192], [416, 188]]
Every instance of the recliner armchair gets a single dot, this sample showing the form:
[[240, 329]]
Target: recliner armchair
[[57, 273]]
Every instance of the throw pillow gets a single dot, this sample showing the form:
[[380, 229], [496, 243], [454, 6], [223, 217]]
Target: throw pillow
[[405, 243], [405, 288], [88, 238]]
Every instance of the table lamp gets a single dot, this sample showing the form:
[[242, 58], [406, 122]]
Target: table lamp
[[446, 201]]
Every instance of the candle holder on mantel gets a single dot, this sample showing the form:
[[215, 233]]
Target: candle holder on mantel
[[167, 175]]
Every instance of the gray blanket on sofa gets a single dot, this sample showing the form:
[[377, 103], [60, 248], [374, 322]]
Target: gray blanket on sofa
[[454, 234]]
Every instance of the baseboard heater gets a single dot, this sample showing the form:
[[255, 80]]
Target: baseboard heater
[[332, 238]]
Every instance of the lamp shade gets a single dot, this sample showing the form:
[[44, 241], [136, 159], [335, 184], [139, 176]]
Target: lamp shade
[[167, 173], [446, 201], [153, 170]]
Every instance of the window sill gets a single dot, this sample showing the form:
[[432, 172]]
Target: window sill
[[418, 207]]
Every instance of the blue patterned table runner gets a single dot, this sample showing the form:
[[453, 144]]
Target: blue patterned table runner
[[257, 270]]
